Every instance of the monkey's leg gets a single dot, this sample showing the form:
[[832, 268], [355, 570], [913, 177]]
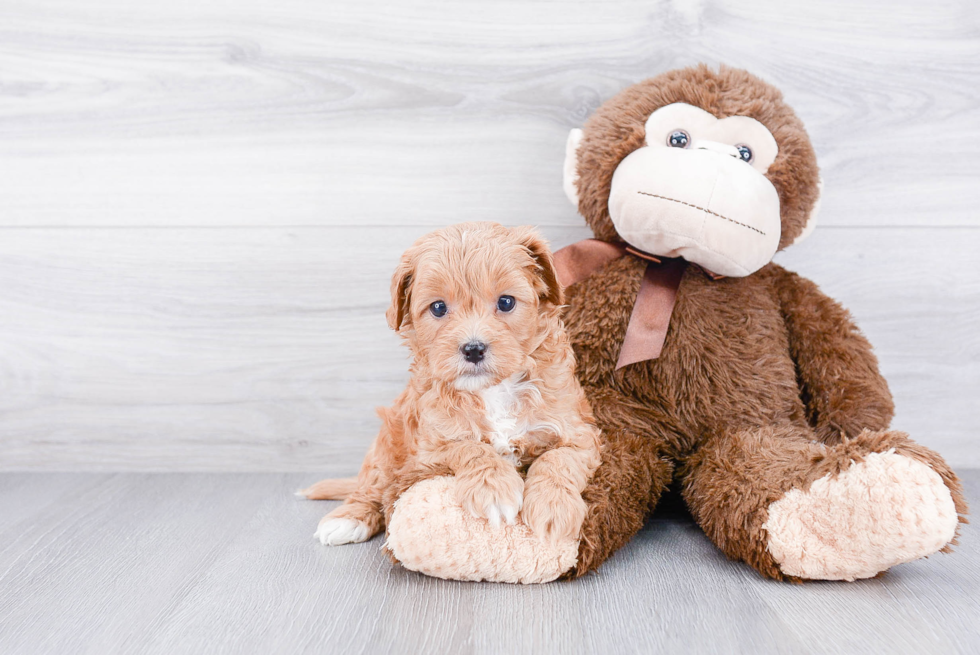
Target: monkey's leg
[[621, 494], [793, 508]]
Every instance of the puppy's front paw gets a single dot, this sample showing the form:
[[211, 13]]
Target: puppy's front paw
[[334, 531], [554, 512], [496, 495]]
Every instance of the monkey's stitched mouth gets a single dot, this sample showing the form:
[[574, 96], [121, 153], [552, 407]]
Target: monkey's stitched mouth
[[687, 204]]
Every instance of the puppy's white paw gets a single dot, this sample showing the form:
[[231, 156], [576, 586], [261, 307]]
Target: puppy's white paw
[[496, 497], [510, 512], [339, 531], [498, 513]]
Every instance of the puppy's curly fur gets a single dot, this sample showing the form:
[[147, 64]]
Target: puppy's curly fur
[[513, 427]]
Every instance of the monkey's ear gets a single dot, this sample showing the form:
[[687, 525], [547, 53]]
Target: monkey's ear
[[570, 176], [811, 219], [401, 292], [549, 289]]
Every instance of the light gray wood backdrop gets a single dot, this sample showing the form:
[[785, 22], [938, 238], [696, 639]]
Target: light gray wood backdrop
[[201, 202]]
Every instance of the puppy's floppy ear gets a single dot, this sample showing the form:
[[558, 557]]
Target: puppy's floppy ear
[[401, 289], [548, 288]]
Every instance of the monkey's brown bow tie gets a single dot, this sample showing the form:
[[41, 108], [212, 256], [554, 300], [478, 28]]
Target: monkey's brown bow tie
[[655, 300]]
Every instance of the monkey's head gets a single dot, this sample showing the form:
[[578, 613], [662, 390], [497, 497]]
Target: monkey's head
[[711, 166]]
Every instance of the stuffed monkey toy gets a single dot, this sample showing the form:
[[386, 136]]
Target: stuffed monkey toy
[[708, 365]]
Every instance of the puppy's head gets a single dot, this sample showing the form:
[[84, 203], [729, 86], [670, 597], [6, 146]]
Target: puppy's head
[[474, 301]]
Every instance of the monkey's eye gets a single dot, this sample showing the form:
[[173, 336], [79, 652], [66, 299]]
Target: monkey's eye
[[438, 309], [506, 303], [678, 139], [744, 152]]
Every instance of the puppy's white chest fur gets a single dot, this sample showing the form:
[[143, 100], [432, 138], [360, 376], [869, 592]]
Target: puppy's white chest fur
[[503, 403]]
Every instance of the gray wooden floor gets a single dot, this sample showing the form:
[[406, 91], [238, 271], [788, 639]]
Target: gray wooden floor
[[213, 563]]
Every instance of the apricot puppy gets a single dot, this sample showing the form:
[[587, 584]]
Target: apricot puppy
[[493, 398]]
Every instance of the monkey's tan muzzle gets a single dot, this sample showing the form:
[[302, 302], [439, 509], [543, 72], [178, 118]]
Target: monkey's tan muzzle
[[711, 209]]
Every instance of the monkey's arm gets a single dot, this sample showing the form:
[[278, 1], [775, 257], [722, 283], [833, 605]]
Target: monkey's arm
[[840, 384]]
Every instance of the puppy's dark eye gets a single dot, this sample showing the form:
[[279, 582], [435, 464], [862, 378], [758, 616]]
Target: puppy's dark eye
[[506, 303], [744, 152], [678, 139], [438, 309]]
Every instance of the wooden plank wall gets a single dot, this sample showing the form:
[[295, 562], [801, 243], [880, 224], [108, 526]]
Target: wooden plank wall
[[201, 202]]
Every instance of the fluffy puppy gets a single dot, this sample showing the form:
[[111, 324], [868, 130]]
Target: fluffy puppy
[[493, 397]]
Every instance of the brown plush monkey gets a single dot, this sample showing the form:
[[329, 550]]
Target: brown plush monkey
[[765, 403], [707, 364]]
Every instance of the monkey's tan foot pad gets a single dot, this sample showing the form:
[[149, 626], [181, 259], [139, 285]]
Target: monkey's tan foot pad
[[430, 533], [887, 510]]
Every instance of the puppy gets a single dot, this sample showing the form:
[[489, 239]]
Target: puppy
[[493, 398]]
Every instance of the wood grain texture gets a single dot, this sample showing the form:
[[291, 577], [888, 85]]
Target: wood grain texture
[[307, 112], [226, 563], [201, 202], [192, 350]]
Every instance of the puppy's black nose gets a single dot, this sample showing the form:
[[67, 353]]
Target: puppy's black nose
[[473, 351]]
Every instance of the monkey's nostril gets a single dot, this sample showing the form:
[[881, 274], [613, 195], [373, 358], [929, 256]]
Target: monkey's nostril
[[474, 351]]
